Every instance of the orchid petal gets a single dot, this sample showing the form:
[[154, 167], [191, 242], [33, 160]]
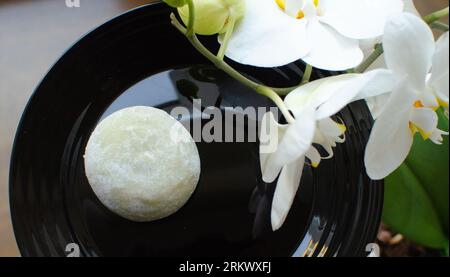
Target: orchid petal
[[376, 104], [317, 92], [440, 71], [331, 128], [293, 6], [408, 48], [410, 7], [341, 94], [379, 81], [314, 156], [426, 120], [436, 136], [296, 141], [359, 19], [303, 95], [330, 50], [328, 147], [285, 192], [309, 9], [391, 138], [441, 88], [329, 133], [376, 92], [271, 133], [267, 37], [428, 98]]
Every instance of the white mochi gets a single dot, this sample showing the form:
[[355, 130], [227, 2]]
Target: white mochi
[[138, 168]]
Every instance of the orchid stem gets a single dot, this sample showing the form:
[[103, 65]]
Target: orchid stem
[[272, 95], [190, 26], [378, 51], [220, 64], [305, 79], [439, 26], [433, 17], [285, 91], [177, 24], [307, 74], [226, 39]]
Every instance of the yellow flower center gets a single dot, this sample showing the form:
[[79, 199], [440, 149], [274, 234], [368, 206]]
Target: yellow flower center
[[342, 127], [281, 4], [300, 14], [418, 104]]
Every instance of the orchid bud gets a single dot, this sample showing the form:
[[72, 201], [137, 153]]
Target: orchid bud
[[175, 3], [213, 16]]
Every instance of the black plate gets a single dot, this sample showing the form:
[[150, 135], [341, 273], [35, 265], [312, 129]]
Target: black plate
[[139, 59]]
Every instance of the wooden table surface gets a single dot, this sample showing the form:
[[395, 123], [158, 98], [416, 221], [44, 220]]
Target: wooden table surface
[[33, 34]]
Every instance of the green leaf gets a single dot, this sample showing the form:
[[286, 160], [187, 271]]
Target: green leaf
[[417, 194], [430, 164], [409, 210]]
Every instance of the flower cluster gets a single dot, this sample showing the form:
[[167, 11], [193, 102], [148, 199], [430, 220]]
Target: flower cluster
[[404, 88]]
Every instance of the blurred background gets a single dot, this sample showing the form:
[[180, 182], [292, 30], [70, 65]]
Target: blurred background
[[33, 35]]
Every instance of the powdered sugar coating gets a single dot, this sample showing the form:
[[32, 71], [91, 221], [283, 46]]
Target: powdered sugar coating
[[137, 168]]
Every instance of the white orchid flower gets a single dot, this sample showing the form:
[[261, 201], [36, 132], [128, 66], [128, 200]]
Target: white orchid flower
[[312, 105], [377, 103], [324, 33], [368, 45], [410, 7], [421, 69]]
